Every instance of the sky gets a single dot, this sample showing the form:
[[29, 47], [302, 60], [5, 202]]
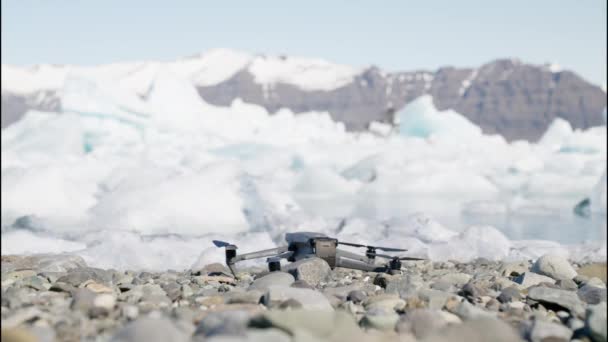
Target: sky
[[393, 35]]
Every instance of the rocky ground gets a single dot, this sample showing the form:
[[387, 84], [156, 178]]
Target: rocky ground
[[60, 298]]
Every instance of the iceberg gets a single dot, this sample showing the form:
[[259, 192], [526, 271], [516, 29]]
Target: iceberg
[[598, 196], [144, 177], [421, 119]]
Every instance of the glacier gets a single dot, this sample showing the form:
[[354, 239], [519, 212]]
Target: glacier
[[132, 181]]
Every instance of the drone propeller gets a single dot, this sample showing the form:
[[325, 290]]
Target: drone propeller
[[220, 244], [386, 249]]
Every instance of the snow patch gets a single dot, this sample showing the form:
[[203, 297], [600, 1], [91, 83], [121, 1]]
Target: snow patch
[[304, 73]]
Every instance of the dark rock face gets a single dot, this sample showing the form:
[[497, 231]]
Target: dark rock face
[[14, 106], [506, 97]]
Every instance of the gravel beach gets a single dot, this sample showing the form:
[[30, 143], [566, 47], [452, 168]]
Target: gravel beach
[[60, 298]]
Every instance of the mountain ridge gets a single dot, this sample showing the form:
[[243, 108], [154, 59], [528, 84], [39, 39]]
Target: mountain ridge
[[504, 96]]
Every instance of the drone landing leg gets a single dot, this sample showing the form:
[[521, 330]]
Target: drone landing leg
[[231, 268]]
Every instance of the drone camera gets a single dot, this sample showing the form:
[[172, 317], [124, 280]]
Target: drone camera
[[325, 248], [230, 253], [274, 264]]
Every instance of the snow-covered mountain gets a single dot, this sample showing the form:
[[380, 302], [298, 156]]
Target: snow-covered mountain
[[506, 96]]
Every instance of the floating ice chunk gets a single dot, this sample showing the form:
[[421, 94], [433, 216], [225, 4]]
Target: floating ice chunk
[[533, 249], [26, 242], [196, 204], [475, 242], [589, 141], [323, 182], [589, 251], [95, 98], [61, 194], [175, 102], [420, 118], [422, 227], [42, 136], [481, 208], [555, 135], [598, 196], [358, 230], [380, 128], [306, 73]]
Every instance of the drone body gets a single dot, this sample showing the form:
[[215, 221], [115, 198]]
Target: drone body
[[304, 245]]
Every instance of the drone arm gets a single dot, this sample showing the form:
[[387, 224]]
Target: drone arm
[[344, 254], [357, 265], [260, 254]]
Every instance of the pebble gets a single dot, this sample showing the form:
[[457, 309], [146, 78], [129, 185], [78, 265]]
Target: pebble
[[529, 279], [311, 270], [595, 322], [420, 304], [310, 299], [223, 323], [477, 330], [20, 316], [597, 282], [385, 302], [245, 297], [456, 279], [99, 288], [561, 298], [150, 330], [421, 322], [272, 279], [435, 299], [104, 301], [356, 296], [380, 318], [211, 269], [130, 312], [509, 294], [471, 290], [467, 311], [43, 262], [554, 266], [591, 294], [405, 285], [567, 284], [541, 331], [514, 269]]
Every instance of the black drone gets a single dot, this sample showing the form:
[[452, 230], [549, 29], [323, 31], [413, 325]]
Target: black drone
[[304, 245]]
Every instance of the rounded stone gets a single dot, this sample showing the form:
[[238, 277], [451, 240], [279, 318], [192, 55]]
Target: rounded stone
[[150, 330], [272, 279], [356, 296], [554, 266]]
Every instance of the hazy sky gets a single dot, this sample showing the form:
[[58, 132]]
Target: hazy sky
[[394, 35]]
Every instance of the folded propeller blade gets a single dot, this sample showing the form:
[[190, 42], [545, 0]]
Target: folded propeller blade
[[390, 249], [411, 258], [220, 244], [395, 257], [386, 249], [351, 244]]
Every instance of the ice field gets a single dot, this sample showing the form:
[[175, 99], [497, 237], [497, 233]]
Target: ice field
[[132, 182]]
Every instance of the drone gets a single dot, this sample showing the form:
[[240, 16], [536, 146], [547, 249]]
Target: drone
[[304, 245]]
